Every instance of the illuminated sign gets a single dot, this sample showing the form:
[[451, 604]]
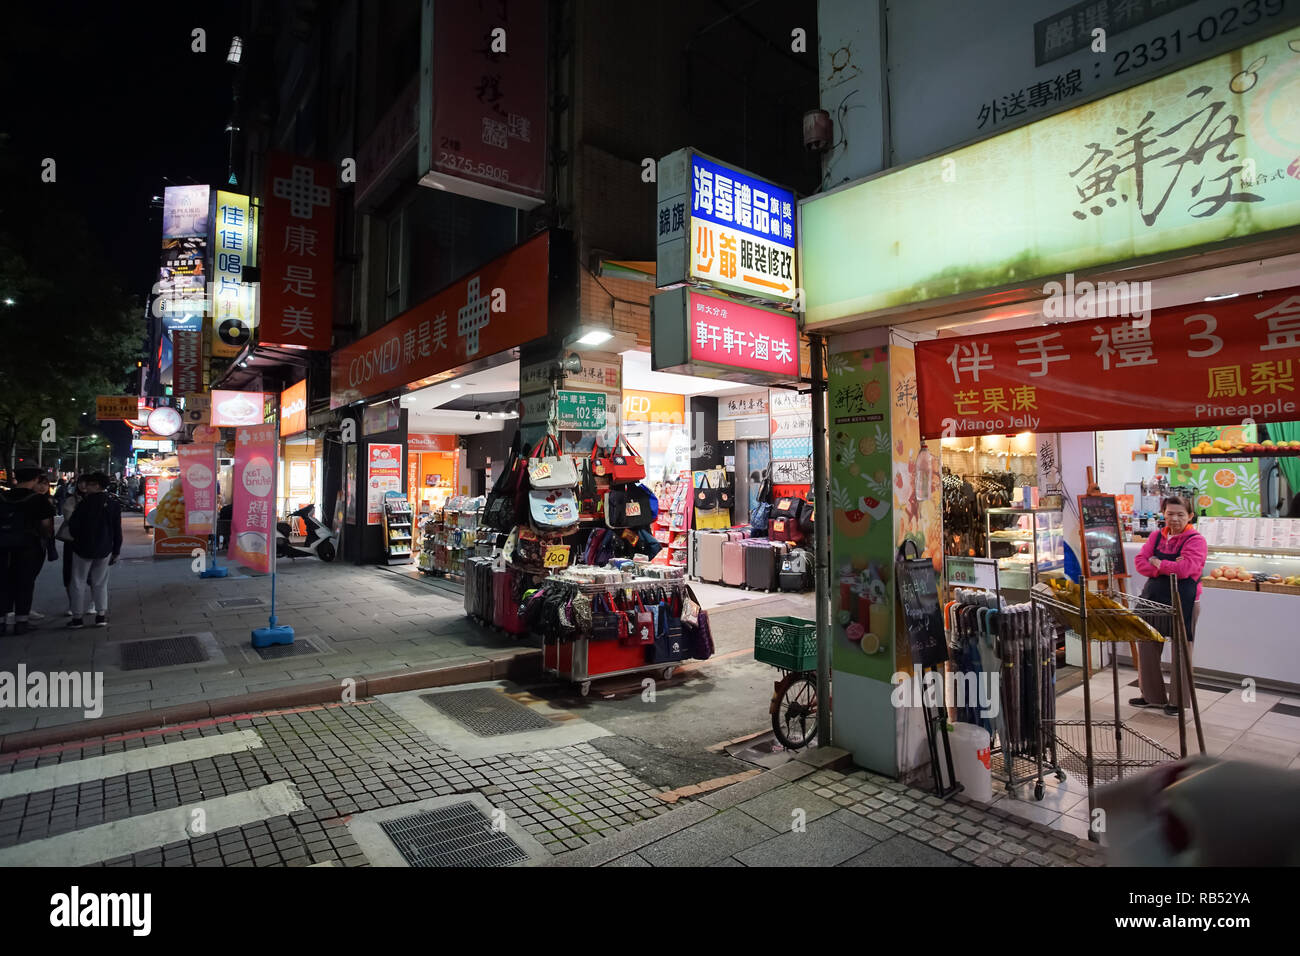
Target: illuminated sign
[[1207, 154], [293, 409], [232, 301], [711, 335], [720, 225], [233, 409]]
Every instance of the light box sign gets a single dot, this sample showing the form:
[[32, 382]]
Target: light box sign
[[233, 315], [235, 409], [483, 104], [450, 328], [185, 212], [187, 350], [1211, 363], [293, 409], [1207, 154], [723, 226], [714, 336], [297, 293]]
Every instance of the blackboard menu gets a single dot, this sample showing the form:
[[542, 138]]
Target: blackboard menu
[[1103, 546], [918, 589]]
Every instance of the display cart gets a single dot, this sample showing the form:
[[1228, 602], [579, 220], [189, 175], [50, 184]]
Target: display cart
[[581, 660], [1120, 748], [1005, 635]]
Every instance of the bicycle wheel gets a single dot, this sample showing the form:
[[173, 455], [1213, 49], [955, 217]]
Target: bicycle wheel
[[794, 711]]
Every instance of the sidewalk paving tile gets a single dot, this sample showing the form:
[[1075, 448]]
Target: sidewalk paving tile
[[776, 808], [710, 841], [825, 842], [903, 851]]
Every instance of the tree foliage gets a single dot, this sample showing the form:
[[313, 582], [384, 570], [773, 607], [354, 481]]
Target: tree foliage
[[71, 332]]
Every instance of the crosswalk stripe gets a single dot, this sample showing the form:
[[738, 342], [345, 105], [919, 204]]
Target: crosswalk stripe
[[76, 772], [136, 834]]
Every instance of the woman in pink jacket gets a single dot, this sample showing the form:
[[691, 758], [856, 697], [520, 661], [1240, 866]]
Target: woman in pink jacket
[[1178, 549]]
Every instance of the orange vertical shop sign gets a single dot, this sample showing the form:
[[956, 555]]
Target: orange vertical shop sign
[[293, 409]]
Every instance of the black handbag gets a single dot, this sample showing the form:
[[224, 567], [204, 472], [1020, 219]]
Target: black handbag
[[706, 496], [604, 619], [629, 507], [670, 642], [501, 511]]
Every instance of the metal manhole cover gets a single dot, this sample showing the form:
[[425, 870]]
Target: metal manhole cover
[[456, 835], [240, 602], [163, 652], [297, 649], [487, 712]]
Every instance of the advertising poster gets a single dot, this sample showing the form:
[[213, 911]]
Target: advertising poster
[[918, 474], [199, 478], [233, 315], [185, 211], [862, 535], [235, 409], [293, 409], [383, 474], [165, 510], [252, 531], [350, 485]]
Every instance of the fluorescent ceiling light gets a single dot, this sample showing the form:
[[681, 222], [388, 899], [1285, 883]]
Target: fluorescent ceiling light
[[596, 337], [236, 50]]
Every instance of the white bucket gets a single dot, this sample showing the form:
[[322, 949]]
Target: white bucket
[[970, 760]]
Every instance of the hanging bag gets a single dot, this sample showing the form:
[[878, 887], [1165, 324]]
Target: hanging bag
[[552, 510], [590, 502], [551, 471], [708, 510], [629, 507], [762, 510], [501, 513], [621, 465], [642, 630]]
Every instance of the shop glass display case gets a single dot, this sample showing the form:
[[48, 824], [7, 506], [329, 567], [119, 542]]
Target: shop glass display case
[[1028, 543]]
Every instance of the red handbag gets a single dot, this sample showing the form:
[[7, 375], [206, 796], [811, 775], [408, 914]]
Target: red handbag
[[618, 467], [643, 625]]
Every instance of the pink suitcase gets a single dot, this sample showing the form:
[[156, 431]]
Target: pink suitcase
[[505, 607], [733, 564], [708, 555]]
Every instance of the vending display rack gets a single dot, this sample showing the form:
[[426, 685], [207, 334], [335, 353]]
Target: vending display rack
[[580, 660], [451, 535], [399, 536]]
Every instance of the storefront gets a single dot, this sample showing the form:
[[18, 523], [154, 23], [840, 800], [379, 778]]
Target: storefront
[[1112, 324]]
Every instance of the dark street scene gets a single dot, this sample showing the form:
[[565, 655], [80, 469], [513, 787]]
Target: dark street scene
[[481, 434]]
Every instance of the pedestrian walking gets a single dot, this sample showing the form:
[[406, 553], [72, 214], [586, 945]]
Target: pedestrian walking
[[26, 541], [96, 527], [76, 492]]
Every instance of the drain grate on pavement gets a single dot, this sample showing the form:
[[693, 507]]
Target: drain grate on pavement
[[228, 603], [455, 835], [486, 712], [162, 652], [298, 648]]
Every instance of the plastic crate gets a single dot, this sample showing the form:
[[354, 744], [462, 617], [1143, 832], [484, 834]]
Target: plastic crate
[[786, 642]]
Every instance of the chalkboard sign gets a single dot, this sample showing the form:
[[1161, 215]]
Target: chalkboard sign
[[1102, 543], [918, 589]]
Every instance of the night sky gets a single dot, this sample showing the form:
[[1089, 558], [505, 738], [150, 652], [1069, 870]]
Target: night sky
[[114, 93]]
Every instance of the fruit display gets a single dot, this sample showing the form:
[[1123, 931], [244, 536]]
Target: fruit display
[[1108, 619], [1224, 447], [1234, 573]]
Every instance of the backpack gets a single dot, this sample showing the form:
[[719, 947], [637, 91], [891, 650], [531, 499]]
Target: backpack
[[15, 527], [92, 527]]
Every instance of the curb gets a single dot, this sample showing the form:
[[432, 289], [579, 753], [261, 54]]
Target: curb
[[515, 666]]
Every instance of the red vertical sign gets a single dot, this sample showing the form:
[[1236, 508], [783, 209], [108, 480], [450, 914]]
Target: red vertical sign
[[489, 104], [187, 361], [252, 534], [297, 239]]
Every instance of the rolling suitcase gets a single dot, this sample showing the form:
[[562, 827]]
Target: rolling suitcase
[[505, 603], [708, 556], [734, 563], [760, 565], [796, 571]]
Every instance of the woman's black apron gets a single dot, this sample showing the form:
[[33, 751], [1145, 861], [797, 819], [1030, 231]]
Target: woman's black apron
[[1157, 588]]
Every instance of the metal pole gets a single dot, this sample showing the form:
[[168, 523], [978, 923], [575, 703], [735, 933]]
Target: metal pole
[[821, 540], [76, 459]]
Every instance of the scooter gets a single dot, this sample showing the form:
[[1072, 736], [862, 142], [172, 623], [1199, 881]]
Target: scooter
[[320, 541]]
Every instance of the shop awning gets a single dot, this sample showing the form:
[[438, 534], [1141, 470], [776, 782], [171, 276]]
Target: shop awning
[[1210, 363]]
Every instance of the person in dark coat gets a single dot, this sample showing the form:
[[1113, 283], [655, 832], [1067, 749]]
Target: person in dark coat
[[26, 540], [96, 527]]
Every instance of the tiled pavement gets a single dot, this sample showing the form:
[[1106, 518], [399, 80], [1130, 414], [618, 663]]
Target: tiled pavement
[[362, 620], [581, 805]]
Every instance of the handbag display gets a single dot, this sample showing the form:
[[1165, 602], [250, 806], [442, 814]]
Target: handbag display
[[629, 507], [709, 513], [620, 468], [605, 619], [591, 504], [786, 522], [552, 510], [701, 640], [642, 630], [551, 471]]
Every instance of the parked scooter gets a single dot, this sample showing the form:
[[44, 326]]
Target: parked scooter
[[320, 543]]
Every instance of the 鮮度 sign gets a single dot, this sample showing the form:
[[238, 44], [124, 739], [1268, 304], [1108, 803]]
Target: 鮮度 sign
[[722, 226]]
